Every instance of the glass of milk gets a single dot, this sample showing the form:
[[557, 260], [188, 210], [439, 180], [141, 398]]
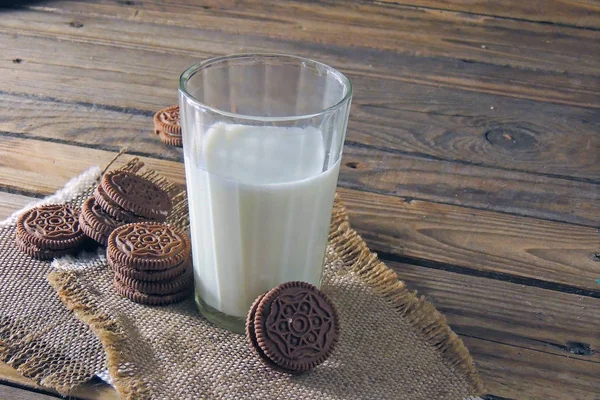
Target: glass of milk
[[262, 142]]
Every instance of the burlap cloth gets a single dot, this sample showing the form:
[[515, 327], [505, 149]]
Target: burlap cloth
[[393, 344]]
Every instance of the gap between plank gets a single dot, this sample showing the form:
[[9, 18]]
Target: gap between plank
[[408, 199], [136, 111], [528, 348], [499, 276], [103, 147], [423, 82], [418, 7], [33, 389], [13, 190], [124, 110], [340, 184], [463, 162]]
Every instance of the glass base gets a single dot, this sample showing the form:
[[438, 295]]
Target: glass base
[[225, 321]]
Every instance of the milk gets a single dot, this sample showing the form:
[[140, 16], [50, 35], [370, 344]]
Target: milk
[[260, 208]]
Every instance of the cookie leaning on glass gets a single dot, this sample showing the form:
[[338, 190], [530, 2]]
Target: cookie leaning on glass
[[293, 327]]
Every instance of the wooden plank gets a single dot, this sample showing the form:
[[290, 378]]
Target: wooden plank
[[94, 390], [13, 393], [422, 31], [520, 337], [371, 170], [202, 36], [55, 163], [10, 202], [477, 239], [80, 123], [528, 247], [515, 135], [468, 185], [462, 126], [516, 373], [563, 324], [580, 13]]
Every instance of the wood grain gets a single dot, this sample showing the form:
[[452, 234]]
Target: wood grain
[[476, 239], [10, 203], [517, 373], [513, 331], [372, 170], [400, 29], [580, 13], [85, 124], [13, 393], [514, 135], [518, 246], [119, 25], [56, 163], [502, 312], [391, 173], [429, 139]]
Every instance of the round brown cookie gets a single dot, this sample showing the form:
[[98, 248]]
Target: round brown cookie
[[150, 276], [171, 140], [162, 287], [296, 326], [40, 253], [168, 121], [113, 209], [54, 226], [148, 299], [98, 219], [136, 194], [251, 336], [149, 246], [90, 232]]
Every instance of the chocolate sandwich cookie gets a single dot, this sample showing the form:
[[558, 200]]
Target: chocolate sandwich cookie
[[162, 287], [136, 194], [293, 327], [251, 335], [113, 209], [171, 140], [98, 219], [50, 227], [41, 254], [151, 299], [150, 276], [95, 222], [167, 126], [91, 233], [148, 246]]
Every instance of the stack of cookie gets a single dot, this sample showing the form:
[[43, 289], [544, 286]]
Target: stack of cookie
[[168, 127], [151, 263], [49, 231], [122, 197]]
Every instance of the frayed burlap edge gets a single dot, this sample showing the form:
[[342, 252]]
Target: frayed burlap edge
[[107, 329], [422, 315], [15, 354], [355, 254]]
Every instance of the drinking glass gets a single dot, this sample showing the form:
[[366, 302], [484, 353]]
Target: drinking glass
[[262, 143]]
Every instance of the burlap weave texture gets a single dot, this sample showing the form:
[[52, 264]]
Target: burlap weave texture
[[393, 344]]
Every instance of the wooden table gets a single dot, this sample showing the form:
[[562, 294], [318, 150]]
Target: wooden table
[[471, 164]]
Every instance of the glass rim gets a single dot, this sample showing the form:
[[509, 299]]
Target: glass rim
[[188, 73]]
